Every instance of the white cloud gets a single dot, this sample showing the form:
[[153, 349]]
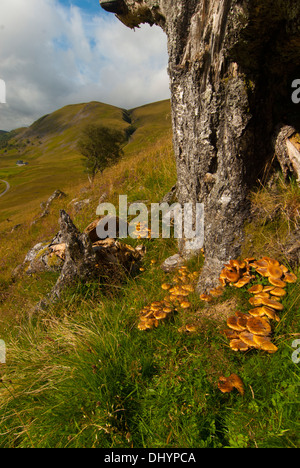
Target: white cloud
[[51, 56]]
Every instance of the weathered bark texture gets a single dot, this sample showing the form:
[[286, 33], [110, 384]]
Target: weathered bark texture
[[231, 65]]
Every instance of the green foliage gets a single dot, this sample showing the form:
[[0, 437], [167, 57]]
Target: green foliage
[[101, 147], [85, 376]]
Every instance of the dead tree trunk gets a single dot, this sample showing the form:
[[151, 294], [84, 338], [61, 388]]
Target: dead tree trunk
[[231, 65]]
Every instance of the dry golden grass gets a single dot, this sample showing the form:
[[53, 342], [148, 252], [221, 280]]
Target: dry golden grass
[[146, 174]]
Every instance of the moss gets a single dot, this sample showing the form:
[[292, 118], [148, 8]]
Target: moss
[[53, 261], [42, 252]]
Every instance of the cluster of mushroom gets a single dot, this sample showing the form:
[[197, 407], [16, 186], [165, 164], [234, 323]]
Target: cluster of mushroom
[[176, 299], [253, 330], [235, 272]]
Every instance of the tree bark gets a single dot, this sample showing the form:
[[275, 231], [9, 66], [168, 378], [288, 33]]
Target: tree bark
[[231, 65]]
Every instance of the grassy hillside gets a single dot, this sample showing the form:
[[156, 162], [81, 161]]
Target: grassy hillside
[[84, 375], [49, 146]]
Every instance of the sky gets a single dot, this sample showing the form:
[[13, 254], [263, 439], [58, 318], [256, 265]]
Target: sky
[[59, 52]]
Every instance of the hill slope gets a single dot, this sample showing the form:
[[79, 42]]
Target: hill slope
[[49, 146]]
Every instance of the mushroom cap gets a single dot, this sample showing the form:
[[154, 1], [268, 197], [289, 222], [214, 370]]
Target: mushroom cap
[[263, 295], [277, 282], [271, 261], [142, 326], [222, 281], [206, 297], [185, 304], [232, 322], [257, 312], [237, 383], [273, 304], [166, 286], [242, 282], [227, 384], [242, 321], [290, 278], [270, 313], [239, 265], [154, 306], [215, 293], [144, 318], [247, 338], [263, 271], [188, 287], [265, 343], [284, 268], [238, 345], [149, 314], [279, 292], [230, 333], [263, 263], [223, 274], [258, 326], [268, 288], [173, 298], [167, 310], [249, 260], [183, 292], [232, 276], [160, 314], [257, 288], [256, 301], [275, 271], [191, 328]]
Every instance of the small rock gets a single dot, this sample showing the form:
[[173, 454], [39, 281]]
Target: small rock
[[78, 206], [172, 263]]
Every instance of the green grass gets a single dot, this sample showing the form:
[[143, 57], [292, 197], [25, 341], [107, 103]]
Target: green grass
[[2, 187], [85, 376]]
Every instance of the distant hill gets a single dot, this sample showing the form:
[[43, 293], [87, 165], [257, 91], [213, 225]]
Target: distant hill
[[50, 147]]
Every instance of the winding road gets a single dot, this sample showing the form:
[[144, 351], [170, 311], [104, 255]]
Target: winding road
[[7, 188]]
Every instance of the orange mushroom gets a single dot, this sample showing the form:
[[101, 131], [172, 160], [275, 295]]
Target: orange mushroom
[[257, 288], [275, 271], [258, 326], [227, 384], [238, 345], [265, 344], [277, 282], [290, 278], [206, 297], [279, 292]]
